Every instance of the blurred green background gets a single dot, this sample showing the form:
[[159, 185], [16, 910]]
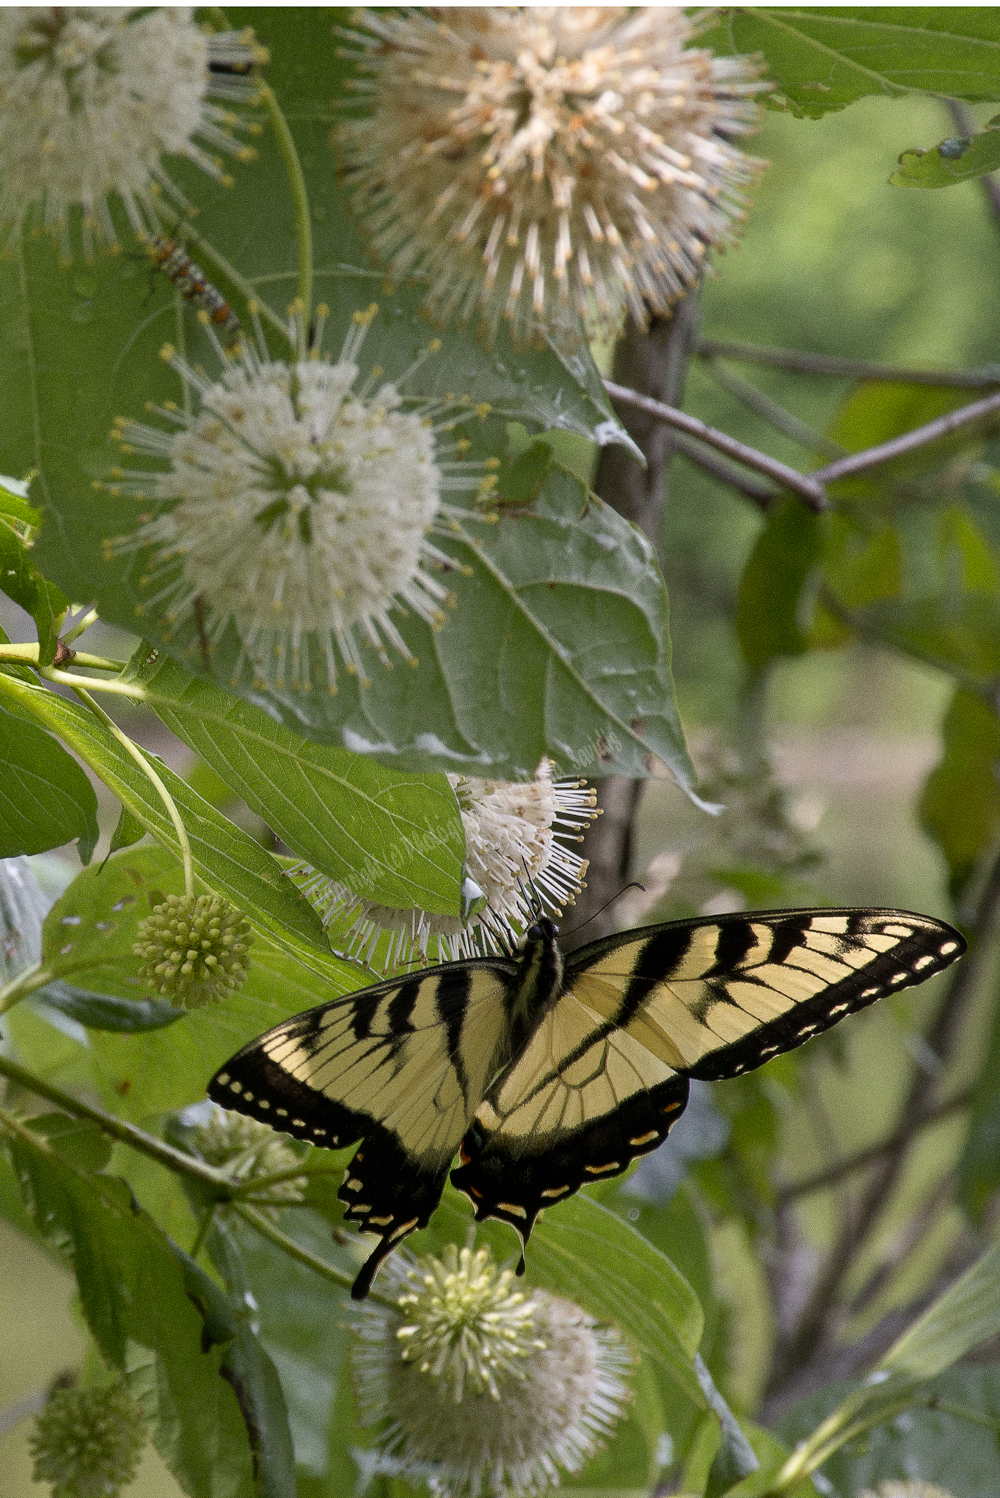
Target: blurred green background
[[833, 260]]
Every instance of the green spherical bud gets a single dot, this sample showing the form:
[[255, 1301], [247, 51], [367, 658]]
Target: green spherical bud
[[194, 949], [87, 1442], [251, 1150]]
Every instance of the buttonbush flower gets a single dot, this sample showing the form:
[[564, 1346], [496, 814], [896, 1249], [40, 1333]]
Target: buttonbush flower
[[297, 504], [476, 1386], [194, 949], [91, 99], [250, 1150], [529, 159], [87, 1442], [518, 840]]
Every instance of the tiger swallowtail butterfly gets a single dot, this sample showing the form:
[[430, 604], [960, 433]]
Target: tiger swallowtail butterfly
[[545, 1072]]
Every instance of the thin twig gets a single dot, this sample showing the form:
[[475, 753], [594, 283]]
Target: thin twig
[[871, 457], [850, 369], [774, 413], [806, 486], [763, 495], [834, 1173], [914, 1229]]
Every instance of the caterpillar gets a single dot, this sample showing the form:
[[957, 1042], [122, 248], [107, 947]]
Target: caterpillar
[[170, 256]]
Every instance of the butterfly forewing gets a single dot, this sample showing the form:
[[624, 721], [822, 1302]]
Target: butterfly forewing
[[605, 1075], [401, 1066]]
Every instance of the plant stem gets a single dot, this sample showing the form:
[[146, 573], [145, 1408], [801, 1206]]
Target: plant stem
[[851, 369], [871, 457], [152, 777], [117, 1128], [808, 487], [29, 655], [74, 633], [300, 198], [267, 1229], [26, 982], [116, 688]]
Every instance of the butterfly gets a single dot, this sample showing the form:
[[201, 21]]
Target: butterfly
[[545, 1072]]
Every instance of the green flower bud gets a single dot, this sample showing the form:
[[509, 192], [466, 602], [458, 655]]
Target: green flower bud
[[248, 1149], [194, 949], [87, 1442]]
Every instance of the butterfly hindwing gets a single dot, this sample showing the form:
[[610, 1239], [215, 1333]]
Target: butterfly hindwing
[[579, 1104], [401, 1066], [605, 1075]]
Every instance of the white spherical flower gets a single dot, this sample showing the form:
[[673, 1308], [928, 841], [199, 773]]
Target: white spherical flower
[[526, 159], [480, 1388], [91, 98], [300, 506], [518, 851]]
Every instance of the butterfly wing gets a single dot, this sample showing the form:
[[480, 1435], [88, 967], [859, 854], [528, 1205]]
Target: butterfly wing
[[605, 1075], [402, 1065]]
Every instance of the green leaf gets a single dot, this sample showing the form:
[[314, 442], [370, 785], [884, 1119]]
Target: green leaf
[[128, 830], [953, 160], [303, 1326], [948, 1436], [520, 479], [45, 798], [771, 589], [254, 1380], [21, 581], [154, 1315], [967, 1314], [73, 1139], [101, 1012], [960, 801], [229, 861], [824, 57], [394, 838], [141, 1070]]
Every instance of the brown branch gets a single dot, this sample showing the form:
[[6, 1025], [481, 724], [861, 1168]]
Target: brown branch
[[871, 457], [806, 486], [654, 362], [843, 1168], [850, 369], [763, 495]]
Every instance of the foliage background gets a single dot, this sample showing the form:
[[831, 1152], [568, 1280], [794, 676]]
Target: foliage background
[[833, 260]]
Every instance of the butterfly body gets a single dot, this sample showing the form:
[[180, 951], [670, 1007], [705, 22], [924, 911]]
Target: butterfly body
[[547, 1072]]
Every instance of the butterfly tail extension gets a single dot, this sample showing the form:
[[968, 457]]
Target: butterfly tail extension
[[514, 1180]]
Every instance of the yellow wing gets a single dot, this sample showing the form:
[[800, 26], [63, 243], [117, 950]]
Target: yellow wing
[[402, 1065], [605, 1075]]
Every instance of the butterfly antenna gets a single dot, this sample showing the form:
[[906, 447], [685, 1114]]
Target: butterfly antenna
[[500, 933], [634, 884], [532, 898]]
